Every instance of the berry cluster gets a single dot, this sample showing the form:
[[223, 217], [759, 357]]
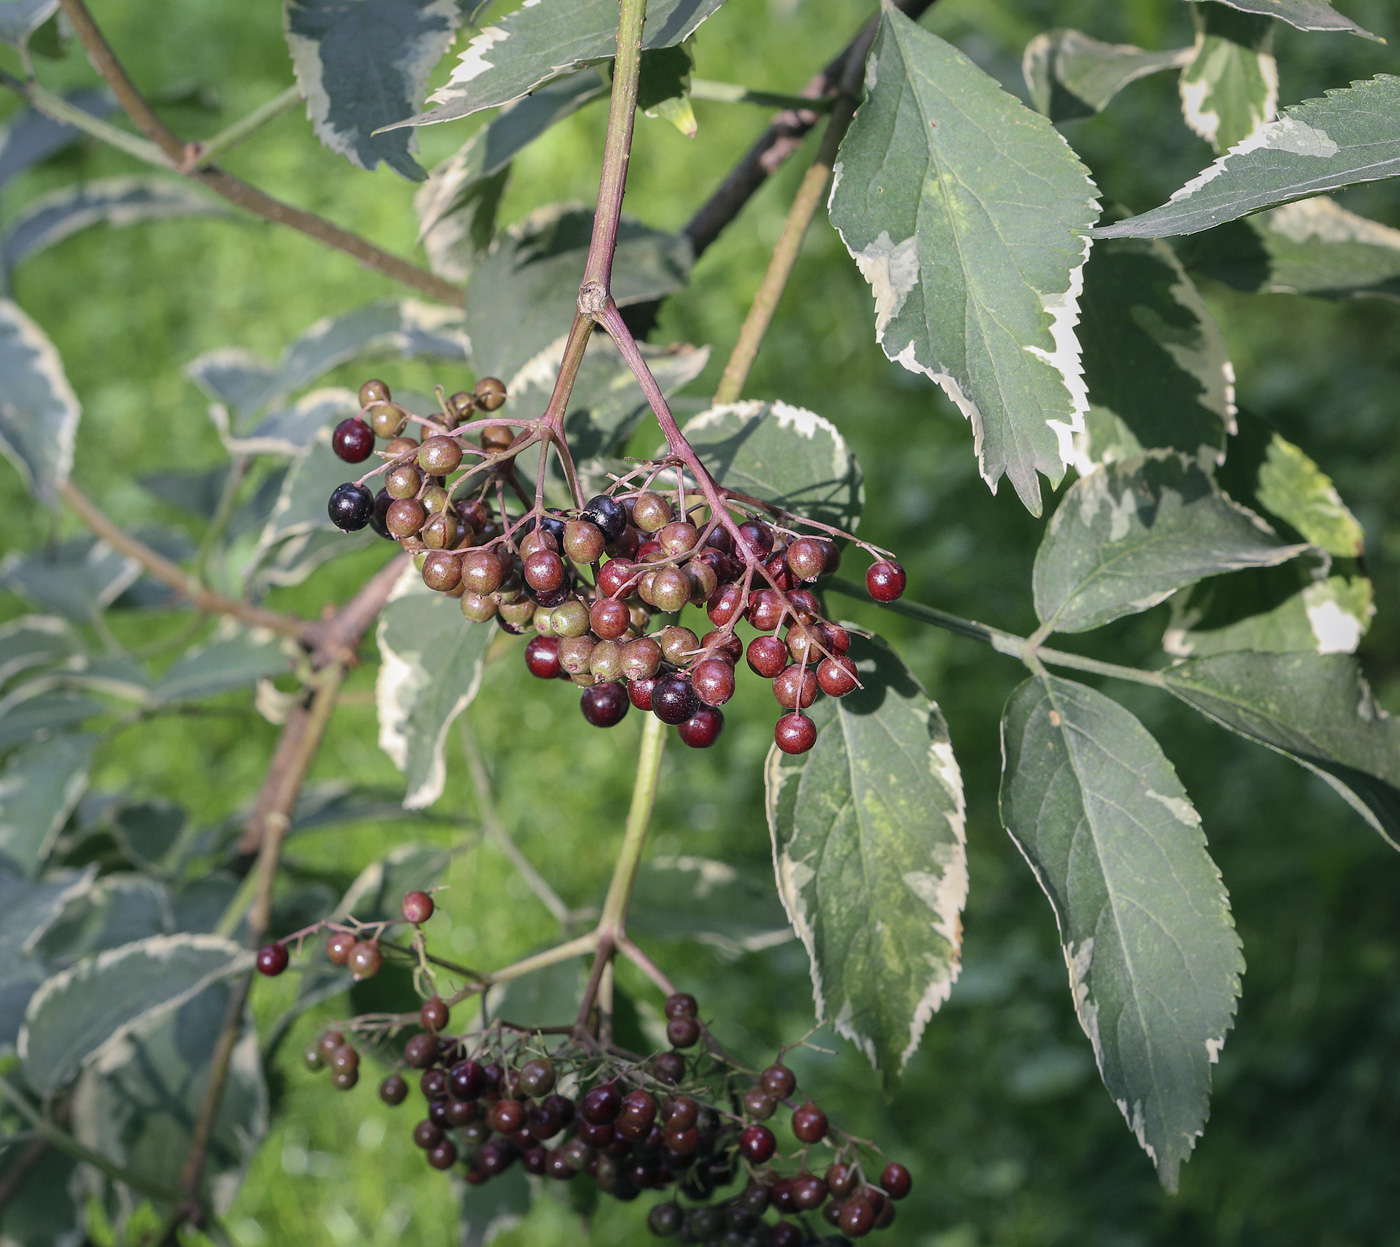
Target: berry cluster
[[590, 582]]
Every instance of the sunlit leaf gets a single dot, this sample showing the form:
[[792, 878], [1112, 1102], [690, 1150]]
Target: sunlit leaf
[[1230, 88], [1304, 14], [1070, 74]]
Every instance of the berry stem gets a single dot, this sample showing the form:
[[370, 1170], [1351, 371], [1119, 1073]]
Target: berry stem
[[205, 152], [613, 920]]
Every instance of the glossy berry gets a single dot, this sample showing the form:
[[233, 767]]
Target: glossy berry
[[344, 1058], [350, 507], [681, 1005], [583, 542], [353, 440], [442, 571], [388, 420], [427, 1135], [885, 580], [713, 681], [481, 571], [272, 960], [796, 687], [757, 1143], [683, 1032], [767, 656], [373, 391], [614, 576], [444, 1156], [701, 730], [393, 1090], [758, 536], [382, 502], [467, 1080], [836, 676], [808, 1192], [544, 570], [542, 657], [795, 733], [609, 618], [490, 393], [806, 558], [421, 1051], [537, 1078], [434, 1014], [605, 705], [608, 514], [665, 1220], [433, 1084], [311, 1057], [766, 610], [680, 1113], [639, 1106], [365, 959], [896, 1180], [670, 590], [416, 907], [757, 1105], [601, 1105], [857, 1218], [344, 1079], [809, 1123], [403, 481], [439, 455], [669, 1067], [778, 1081], [679, 537], [673, 699], [338, 946], [406, 517], [506, 1116]]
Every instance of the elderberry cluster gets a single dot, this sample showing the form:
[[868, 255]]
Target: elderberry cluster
[[590, 582]]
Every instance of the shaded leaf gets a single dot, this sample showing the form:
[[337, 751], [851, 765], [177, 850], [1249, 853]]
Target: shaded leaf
[[38, 409], [784, 455], [1352, 135], [1312, 247], [82, 1011], [939, 172], [1304, 14], [35, 641], [78, 579], [44, 1211], [197, 493], [868, 841], [708, 901], [523, 295], [118, 909], [378, 890], [36, 718], [459, 242], [1154, 962], [548, 997], [363, 64], [39, 787], [19, 19], [663, 89], [431, 664], [541, 41], [290, 430], [1129, 534], [1230, 88], [1155, 361], [31, 137], [1071, 75], [60, 214], [148, 831], [27, 908], [236, 658], [489, 1211], [1313, 708], [301, 505]]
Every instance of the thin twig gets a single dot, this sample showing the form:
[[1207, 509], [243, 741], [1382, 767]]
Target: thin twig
[[204, 152]]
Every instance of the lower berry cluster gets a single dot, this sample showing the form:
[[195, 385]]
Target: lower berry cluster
[[590, 583]]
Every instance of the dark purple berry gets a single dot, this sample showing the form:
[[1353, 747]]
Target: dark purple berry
[[702, 729], [778, 1081], [350, 507], [758, 1144], [601, 1105], [605, 705], [896, 1180], [542, 657], [795, 733], [885, 580], [421, 1051], [272, 960], [353, 440], [608, 514], [809, 1123], [393, 1090], [673, 699]]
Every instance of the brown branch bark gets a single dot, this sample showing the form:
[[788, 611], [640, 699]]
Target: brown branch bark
[[182, 157]]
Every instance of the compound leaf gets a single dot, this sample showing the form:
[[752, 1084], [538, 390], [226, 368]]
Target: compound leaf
[[1158, 372], [869, 846], [784, 455], [38, 409], [431, 664], [1130, 533], [1154, 962], [364, 64], [940, 171], [1304, 14], [1230, 88], [1352, 135], [1313, 708], [83, 1010], [543, 40], [1071, 75]]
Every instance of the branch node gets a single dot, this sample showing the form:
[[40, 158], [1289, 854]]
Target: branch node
[[593, 298]]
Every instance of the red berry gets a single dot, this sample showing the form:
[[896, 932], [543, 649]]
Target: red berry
[[806, 558], [714, 681], [434, 1014], [809, 1123], [767, 656], [353, 440], [681, 1005], [702, 729], [272, 960], [338, 946], [725, 604], [857, 1217], [778, 1081], [609, 618], [683, 1032], [639, 692], [613, 577], [601, 1105], [421, 1051], [795, 733], [766, 609], [365, 959], [544, 570], [758, 1144], [896, 1180], [416, 907], [795, 687], [542, 657], [836, 676], [757, 536], [885, 580]]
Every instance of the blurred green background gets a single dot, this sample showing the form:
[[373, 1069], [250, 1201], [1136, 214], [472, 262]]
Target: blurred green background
[[1012, 1140]]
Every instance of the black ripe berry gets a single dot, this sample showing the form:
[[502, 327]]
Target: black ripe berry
[[434, 1014], [758, 1144], [353, 440], [608, 514], [350, 507], [857, 1217], [604, 705], [393, 1090], [669, 1067], [885, 580], [795, 733], [683, 1032], [682, 1005], [416, 907], [702, 729], [382, 503], [673, 700], [421, 1051], [601, 1105], [272, 960]]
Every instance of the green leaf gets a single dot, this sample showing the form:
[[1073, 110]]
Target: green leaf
[[1328, 615], [1304, 14], [1313, 708], [1154, 962], [1071, 75], [236, 658], [1230, 88], [43, 1211], [663, 90], [30, 137], [35, 718], [19, 19], [39, 787], [456, 206], [378, 890], [80, 1012], [287, 430], [77, 579], [118, 909], [431, 664], [868, 841], [523, 295], [60, 214], [965, 212], [35, 641], [489, 1211], [363, 64], [1129, 534], [406, 328], [1155, 362], [138, 1101], [548, 997], [1351, 136], [38, 409], [541, 41], [708, 901], [1312, 247], [1295, 489], [791, 457], [27, 909], [148, 832]]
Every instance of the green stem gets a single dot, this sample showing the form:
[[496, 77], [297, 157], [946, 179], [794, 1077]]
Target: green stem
[[65, 1142], [634, 837], [59, 109], [734, 93], [207, 152]]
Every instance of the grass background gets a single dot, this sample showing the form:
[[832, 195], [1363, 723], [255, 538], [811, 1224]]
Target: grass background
[[1012, 1140]]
